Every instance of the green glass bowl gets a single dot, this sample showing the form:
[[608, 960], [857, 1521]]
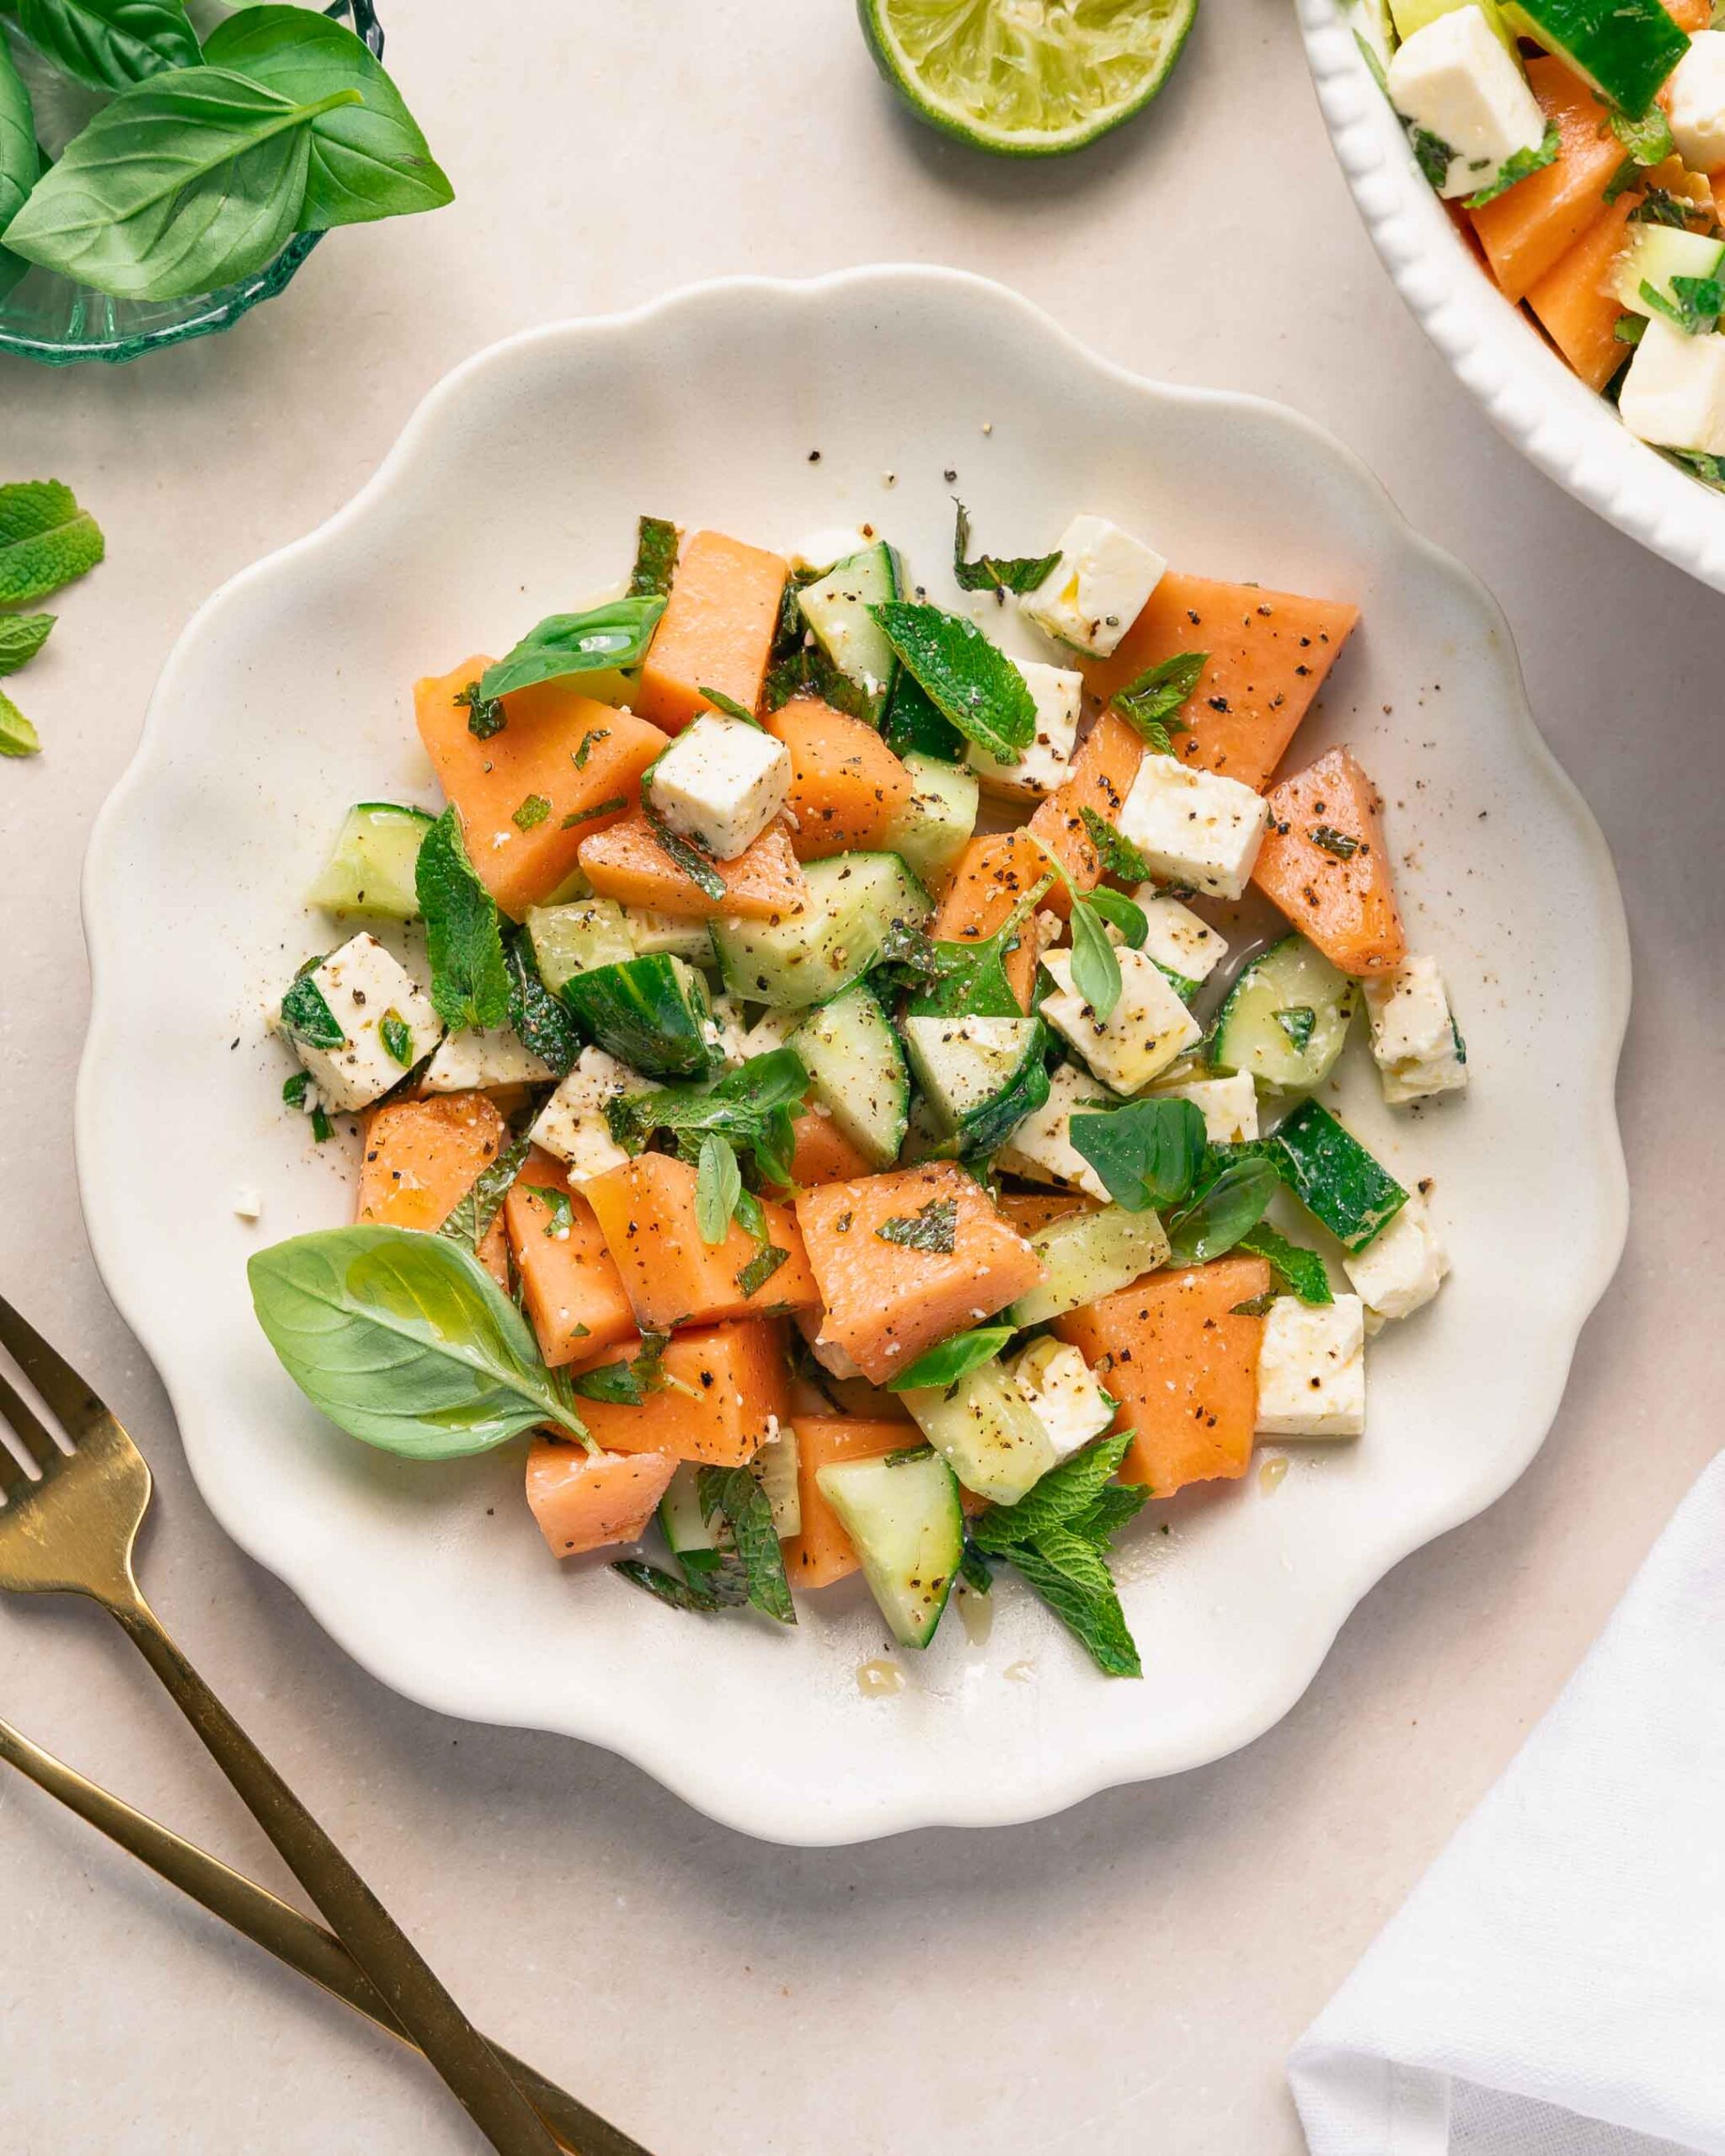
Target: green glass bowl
[[51, 319]]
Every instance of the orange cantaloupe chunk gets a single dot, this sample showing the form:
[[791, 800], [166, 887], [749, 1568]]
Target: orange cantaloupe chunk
[[823, 1153], [730, 1393], [1345, 904], [1690, 15], [1576, 302], [716, 632], [886, 1301], [821, 1551], [847, 787], [1268, 655], [1173, 1350], [646, 1210], [421, 1158], [1101, 780], [992, 875], [628, 863], [569, 1281], [1030, 1209], [533, 757], [584, 1500], [1529, 229]]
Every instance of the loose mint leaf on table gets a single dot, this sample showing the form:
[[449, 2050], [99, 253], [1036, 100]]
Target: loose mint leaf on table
[[17, 737], [1296, 1270], [1071, 1575], [20, 162], [1055, 1536], [732, 1496], [996, 571], [306, 1016], [655, 559], [1525, 162], [22, 635], [45, 540], [934, 1227], [972, 684], [470, 1222], [1227, 1207], [109, 44], [1115, 851], [368, 160], [565, 646], [1150, 705], [542, 1021], [1148, 1153], [953, 1359], [470, 981]]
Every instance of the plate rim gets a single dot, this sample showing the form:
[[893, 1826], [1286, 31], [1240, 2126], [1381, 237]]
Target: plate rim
[[865, 1815]]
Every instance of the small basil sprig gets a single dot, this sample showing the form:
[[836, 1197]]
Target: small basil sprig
[[109, 44], [1150, 704], [1096, 969], [754, 1107], [718, 1186], [996, 571], [1226, 1206], [20, 162], [1148, 1153], [563, 646], [942, 1366], [470, 979]]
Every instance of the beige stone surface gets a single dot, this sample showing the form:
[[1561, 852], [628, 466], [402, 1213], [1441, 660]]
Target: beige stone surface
[[1127, 1977]]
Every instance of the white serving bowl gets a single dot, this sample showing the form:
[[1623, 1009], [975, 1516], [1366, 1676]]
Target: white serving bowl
[[1573, 434]]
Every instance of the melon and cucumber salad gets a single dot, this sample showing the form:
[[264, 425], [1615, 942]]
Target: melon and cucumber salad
[[849, 1098], [1580, 147]]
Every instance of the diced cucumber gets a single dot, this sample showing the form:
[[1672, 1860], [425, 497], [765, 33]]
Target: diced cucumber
[[854, 900], [680, 1520], [1623, 48], [835, 607], [370, 873], [981, 1075], [1656, 253], [915, 724], [934, 826], [668, 932], [1087, 1255], [1334, 1178], [856, 1072], [575, 939], [652, 1013], [774, 1467], [1407, 16], [904, 1520], [984, 1428], [1286, 1018]]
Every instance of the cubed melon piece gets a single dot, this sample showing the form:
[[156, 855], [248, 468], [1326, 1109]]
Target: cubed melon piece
[[1324, 863], [1576, 300], [992, 875], [629, 863], [729, 1392], [716, 632], [823, 1153], [421, 1158], [822, 1552], [646, 1212], [1101, 780], [847, 787], [569, 1281], [584, 1500], [1030, 1209], [1529, 229]]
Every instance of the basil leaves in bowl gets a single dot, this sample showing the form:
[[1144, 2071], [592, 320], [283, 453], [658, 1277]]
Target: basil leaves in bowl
[[165, 165]]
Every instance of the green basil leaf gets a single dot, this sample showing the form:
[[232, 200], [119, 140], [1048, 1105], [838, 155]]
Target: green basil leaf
[[1297, 1271], [747, 1106], [1095, 968], [20, 162], [470, 1223], [1524, 162], [368, 159], [1148, 1153], [470, 982], [655, 559], [734, 1495], [562, 646], [45, 540], [22, 635], [718, 1184], [993, 572], [934, 1227], [307, 1015], [973, 684], [1151, 703], [1227, 1209], [17, 737], [953, 1359], [1115, 851], [404, 1340], [110, 44]]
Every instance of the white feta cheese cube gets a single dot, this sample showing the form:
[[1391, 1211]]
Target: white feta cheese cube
[[1140, 1037], [771, 1030], [1696, 110], [572, 1124], [386, 1021], [1402, 1267], [1673, 394], [1040, 1148], [1194, 827], [1180, 943], [1311, 1369], [721, 782], [1415, 1038], [725, 1031], [1047, 763], [1454, 80], [1065, 1395], [1229, 1106], [469, 1061], [1098, 589], [248, 1204]]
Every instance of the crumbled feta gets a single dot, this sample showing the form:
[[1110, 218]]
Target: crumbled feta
[[725, 1032], [825, 550], [1194, 827], [1696, 108], [1181, 944], [363, 986], [1414, 1038], [1454, 80], [1402, 1266], [1229, 1106], [572, 1124], [1098, 589], [1311, 1369], [1064, 1393], [1140, 1037], [1047, 763], [1040, 1148], [722, 781], [1673, 394], [469, 1061], [248, 1204]]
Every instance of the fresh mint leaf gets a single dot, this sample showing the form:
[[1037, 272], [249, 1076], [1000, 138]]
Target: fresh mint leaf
[[1297, 1271], [1343, 844], [533, 810], [686, 1594], [470, 982], [684, 854], [1297, 1022], [733, 1495], [728, 706], [398, 1038], [1072, 1577], [626, 1383], [1150, 704], [306, 1016], [972, 1569], [1062, 1496], [655, 559], [753, 1106], [1148, 1153], [973, 684], [322, 1129], [486, 715], [1115, 851], [1525, 162], [46, 539], [718, 1184], [1647, 139], [1695, 306], [559, 1219], [1115, 1506], [962, 980], [943, 1365], [470, 1222], [1227, 1207], [563, 646], [599, 809], [799, 665], [589, 740], [760, 1268], [934, 1227], [18, 736], [1630, 329], [1095, 968], [1660, 206], [109, 44], [996, 571], [1054, 1536], [1432, 154], [541, 1021]]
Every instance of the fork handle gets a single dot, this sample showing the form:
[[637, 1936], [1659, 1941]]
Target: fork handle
[[474, 2074]]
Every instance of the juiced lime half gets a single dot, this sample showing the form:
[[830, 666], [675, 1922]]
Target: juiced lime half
[[1026, 78]]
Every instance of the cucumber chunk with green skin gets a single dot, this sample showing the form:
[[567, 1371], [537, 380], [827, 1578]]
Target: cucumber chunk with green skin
[[1623, 48], [1088, 1254], [652, 1013], [936, 824], [915, 724], [836, 607], [854, 900], [1285, 1019], [774, 1467], [856, 1072], [986, 1432], [370, 872], [1656, 253], [1334, 1178], [680, 1520], [980, 1074], [906, 1524], [575, 939]]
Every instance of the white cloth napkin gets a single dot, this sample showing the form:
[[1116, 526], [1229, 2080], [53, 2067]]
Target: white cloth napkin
[[1554, 1985]]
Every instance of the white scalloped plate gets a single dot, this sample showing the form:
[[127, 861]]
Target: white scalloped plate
[[514, 486], [1574, 437]]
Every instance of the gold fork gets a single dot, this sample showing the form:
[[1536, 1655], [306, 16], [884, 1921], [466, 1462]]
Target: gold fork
[[71, 1531]]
